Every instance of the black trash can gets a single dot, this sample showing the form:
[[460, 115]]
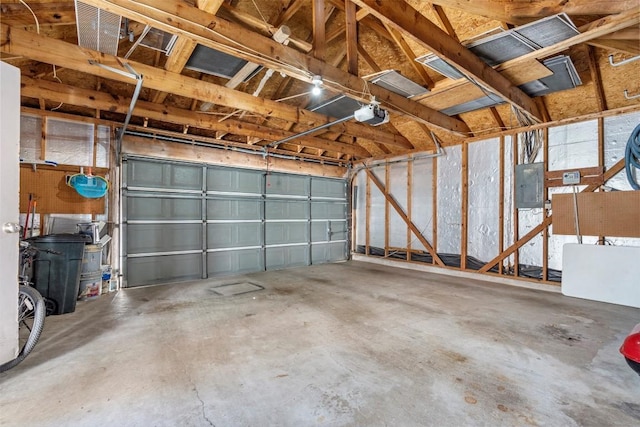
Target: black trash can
[[57, 277]]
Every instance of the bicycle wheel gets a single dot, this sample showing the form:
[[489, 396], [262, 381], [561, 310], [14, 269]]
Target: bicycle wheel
[[31, 314]]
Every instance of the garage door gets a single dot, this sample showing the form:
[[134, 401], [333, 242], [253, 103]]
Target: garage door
[[186, 221]]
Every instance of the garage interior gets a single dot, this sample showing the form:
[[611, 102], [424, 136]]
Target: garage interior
[[327, 212]]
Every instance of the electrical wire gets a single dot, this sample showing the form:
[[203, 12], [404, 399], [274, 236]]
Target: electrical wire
[[34, 16], [260, 12], [55, 74]]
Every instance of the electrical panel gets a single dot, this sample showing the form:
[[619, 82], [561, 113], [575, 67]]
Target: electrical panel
[[530, 186]]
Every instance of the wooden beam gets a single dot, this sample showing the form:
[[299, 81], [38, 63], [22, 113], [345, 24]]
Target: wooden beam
[[14, 40], [48, 13], [527, 68], [318, 22], [493, 9], [409, 205], [176, 151], [368, 217], [623, 46], [521, 12], [259, 26], [351, 37], [107, 102], [445, 23], [211, 31], [184, 47], [412, 23], [626, 34], [411, 56], [368, 59], [403, 215], [594, 69], [387, 213], [501, 204], [589, 32], [288, 12], [464, 214], [497, 118]]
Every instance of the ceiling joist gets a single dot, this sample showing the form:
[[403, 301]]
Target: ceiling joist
[[412, 23], [40, 48], [91, 99], [216, 33]]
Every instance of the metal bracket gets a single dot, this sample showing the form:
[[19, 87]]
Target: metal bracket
[[626, 61]]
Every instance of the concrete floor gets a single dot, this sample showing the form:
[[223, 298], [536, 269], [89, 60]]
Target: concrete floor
[[343, 344]]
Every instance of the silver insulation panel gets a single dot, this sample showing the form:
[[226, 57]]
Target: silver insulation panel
[[484, 203], [397, 83], [97, 29], [422, 201], [450, 200], [377, 218], [397, 226]]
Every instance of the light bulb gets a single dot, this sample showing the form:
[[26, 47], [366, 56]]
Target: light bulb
[[317, 82]]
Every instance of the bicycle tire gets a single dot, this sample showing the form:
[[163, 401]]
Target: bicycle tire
[[31, 314]]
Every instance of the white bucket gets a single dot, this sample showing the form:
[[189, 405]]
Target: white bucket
[[90, 285]]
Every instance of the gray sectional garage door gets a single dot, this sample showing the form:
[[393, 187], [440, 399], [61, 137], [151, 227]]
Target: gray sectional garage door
[[188, 221]]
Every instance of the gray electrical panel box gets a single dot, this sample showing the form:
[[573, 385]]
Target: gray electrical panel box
[[530, 186]]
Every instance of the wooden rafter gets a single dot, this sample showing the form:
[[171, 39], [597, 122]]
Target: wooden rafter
[[412, 23], [351, 25], [527, 68], [184, 47], [288, 12], [594, 69], [411, 56], [520, 12], [631, 47], [318, 23], [91, 99], [444, 21], [49, 13], [211, 31], [14, 40]]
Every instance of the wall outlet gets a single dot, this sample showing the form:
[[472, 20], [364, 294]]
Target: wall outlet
[[571, 178]]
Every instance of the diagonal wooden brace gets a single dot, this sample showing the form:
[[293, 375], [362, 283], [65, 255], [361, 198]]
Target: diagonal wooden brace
[[404, 217]]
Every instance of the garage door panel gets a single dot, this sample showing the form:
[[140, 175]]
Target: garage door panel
[[287, 256], [235, 262], [286, 232], [324, 231], [148, 174], [229, 180], [328, 210], [234, 209], [163, 269], [286, 209], [326, 187], [163, 208], [229, 235], [328, 252], [289, 185], [152, 238]]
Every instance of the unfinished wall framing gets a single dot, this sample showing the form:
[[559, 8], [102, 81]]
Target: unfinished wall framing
[[458, 210]]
